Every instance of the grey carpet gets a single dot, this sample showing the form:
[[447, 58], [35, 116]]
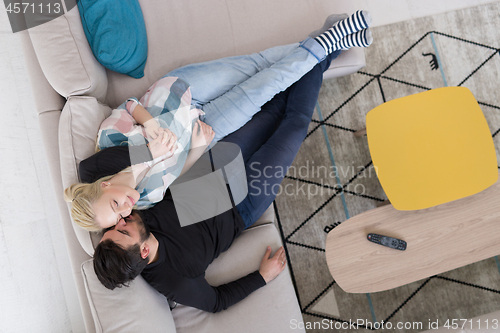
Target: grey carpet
[[466, 43]]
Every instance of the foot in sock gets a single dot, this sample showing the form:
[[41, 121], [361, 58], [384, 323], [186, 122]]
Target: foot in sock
[[356, 22], [329, 22], [361, 38]]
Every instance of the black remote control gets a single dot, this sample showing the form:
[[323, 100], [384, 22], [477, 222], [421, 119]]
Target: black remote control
[[393, 243]]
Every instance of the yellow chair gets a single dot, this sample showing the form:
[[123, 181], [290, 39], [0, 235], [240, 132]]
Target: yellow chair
[[431, 148]]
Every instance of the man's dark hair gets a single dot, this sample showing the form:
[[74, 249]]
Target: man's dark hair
[[115, 266]]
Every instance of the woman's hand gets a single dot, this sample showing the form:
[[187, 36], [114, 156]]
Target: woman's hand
[[165, 142], [271, 267], [203, 134], [152, 129]]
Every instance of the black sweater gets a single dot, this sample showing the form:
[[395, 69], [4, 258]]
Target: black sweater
[[184, 252]]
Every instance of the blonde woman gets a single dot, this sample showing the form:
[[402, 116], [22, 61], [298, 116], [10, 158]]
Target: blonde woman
[[224, 93], [116, 194]]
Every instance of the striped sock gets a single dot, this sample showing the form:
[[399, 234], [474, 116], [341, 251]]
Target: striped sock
[[361, 38], [356, 22]]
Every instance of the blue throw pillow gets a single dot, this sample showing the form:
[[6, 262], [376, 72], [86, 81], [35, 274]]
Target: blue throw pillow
[[116, 32]]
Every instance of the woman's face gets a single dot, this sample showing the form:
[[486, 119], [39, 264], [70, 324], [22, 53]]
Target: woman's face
[[115, 203]]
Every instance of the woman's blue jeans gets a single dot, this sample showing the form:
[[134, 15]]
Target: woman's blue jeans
[[270, 141], [231, 90]]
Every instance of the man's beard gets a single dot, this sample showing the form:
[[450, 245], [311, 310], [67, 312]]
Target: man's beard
[[144, 231]]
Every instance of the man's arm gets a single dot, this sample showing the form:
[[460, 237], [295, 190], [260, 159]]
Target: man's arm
[[112, 160], [199, 294]]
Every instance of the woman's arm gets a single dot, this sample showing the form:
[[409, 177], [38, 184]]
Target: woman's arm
[[200, 140], [160, 146], [138, 112], [143, 117]]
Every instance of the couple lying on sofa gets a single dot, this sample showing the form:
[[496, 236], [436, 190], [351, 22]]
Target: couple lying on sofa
[[230, 94]]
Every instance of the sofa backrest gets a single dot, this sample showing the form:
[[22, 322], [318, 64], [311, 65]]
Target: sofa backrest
[[191, 31]]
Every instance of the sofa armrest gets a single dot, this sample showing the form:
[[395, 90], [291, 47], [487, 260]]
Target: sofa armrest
[[137, 308], [70, 68], [46, 98], [348, 62]]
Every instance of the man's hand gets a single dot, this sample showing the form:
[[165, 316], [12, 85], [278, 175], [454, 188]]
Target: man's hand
[[271, 267], [203, 134], [165, 142]]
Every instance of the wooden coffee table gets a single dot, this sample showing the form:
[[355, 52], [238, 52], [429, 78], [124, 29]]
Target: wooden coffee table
[[439, 239]]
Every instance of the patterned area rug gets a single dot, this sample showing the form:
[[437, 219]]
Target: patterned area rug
[[454, 49]]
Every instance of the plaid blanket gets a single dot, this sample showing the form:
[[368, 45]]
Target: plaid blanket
[[169, 102]]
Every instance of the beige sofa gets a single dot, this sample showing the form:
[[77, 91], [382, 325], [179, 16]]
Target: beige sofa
[[74, 93]]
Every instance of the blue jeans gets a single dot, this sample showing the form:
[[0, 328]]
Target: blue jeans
[[270, 141], [231, 90]]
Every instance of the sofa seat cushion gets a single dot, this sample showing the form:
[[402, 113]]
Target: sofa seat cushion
[[78, 127], [266, 218], [137, 308], [278, 297], [116, 33]]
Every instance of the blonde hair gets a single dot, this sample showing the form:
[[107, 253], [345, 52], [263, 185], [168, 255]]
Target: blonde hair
[[82, 196]]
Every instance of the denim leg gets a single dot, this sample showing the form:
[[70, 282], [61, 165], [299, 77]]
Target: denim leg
[[236, 107], [268, 165], [260, 128], [209, 80]]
